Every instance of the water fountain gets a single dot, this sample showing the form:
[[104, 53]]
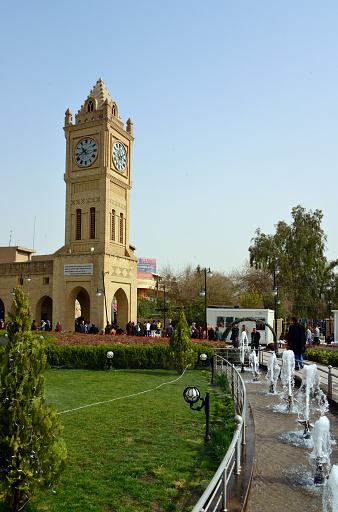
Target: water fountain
[[310, 398], [320, 455], [330, 496], [273, 371], [253, 362], [287, 376]]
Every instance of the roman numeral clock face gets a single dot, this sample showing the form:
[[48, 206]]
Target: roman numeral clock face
[[119, 156], [85, 152]]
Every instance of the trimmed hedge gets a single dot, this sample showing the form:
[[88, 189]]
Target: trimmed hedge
[[125, 356], [93, 357]]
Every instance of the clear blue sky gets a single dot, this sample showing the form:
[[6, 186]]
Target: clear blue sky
[[234, 105]]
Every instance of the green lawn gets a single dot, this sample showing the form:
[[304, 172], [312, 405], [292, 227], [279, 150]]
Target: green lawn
[[139, 453]]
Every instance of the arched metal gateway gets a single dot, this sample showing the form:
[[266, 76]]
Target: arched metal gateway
[[251, 319]]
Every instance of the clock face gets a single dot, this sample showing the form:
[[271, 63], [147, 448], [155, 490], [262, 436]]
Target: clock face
[[85, 152], [119, 156]]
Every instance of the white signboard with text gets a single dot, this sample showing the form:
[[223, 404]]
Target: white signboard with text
[[78, 269]]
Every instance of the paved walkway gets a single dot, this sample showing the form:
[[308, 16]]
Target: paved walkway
[[282, 478]]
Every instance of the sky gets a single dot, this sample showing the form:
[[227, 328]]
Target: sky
[[234, 106]]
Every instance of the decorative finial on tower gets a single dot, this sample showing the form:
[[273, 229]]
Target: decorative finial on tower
[[129, 127], [68, 117]]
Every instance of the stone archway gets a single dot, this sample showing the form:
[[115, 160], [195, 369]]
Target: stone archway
[[122, 308], [44, 309], [80, 295], [250, 319]]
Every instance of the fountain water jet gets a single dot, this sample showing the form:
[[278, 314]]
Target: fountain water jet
[[310, 398], [320, 455], [287, 376], [330, 496], [273, 371], [253, 362]]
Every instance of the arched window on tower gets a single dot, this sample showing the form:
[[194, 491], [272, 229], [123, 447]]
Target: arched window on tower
[[90, 106], [113, 225], [92, 223], [113, 110], [78, 225], [121, 228]]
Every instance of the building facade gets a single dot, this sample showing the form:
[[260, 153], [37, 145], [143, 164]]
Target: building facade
[[96, 267]]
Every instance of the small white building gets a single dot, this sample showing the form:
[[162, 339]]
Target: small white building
[[223, 317]]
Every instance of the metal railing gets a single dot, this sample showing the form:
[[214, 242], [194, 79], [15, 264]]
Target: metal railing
[[215, 495]]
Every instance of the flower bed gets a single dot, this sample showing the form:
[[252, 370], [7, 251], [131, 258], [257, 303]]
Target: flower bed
[[323, 355], [75, 338]]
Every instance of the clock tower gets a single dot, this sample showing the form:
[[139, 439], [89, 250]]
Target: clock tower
[[97, 256]]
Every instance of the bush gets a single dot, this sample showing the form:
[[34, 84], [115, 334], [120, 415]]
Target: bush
[[93, 357], [324, 356]]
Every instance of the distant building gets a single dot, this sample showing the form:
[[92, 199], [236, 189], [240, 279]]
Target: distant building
[[222, 317]]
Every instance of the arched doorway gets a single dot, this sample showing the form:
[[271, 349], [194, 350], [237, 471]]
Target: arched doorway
[[2, 310], [78, 306], [44, 310], [120, 308]]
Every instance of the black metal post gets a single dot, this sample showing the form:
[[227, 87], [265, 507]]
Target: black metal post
[[207, 419], [212, 370], [164, 306], [275, 287], [329, 333], [21, 280], [205, 303], [104, 293]]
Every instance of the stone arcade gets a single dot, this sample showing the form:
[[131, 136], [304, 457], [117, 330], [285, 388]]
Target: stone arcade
[[97, 253]]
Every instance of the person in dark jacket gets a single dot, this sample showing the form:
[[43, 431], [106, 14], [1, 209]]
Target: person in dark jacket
[[255, 337], [296, 341], [234, 335], [93, 329], [170, 330]]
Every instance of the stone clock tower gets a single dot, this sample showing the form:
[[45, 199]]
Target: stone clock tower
[[97, 256]]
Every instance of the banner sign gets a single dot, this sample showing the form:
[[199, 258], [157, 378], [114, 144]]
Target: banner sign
[[146, 267], [78, 269]]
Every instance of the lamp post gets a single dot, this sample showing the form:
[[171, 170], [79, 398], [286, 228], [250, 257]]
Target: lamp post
[[275, 293], [329, 288], [109, 356], [98, 293], [192, 395], [204, 358], [203, 293], [28, 278]]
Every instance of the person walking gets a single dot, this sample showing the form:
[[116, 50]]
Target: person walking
[[316, 340], [255, 337], [308, 336], [296, 341], [234, 336]]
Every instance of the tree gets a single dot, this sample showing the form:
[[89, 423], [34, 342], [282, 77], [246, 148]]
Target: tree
[[183, 287], [251, 299], [180, 346], [32, 453], [298, 251]]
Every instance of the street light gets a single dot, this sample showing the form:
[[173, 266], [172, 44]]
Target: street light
[[275, 293], [99, 290], [109, 356], [192, 395], [28, 278], [203, 293], [329, 288], [163, 289], [207, 360]]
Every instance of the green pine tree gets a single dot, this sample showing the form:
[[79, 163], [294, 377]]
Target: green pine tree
[[32, 453], [180, 346]]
